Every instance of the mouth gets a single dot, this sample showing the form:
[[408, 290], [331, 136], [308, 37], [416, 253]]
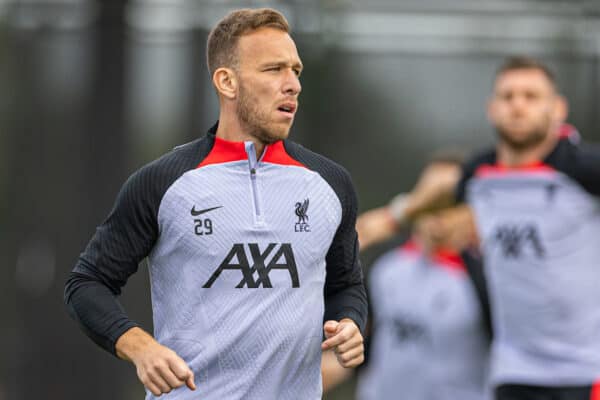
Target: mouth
[[288, 108], [518, 125]]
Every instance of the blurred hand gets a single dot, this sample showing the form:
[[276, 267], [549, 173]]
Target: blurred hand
[[434, 189], [159, 368], [345, 339], [375, 226]]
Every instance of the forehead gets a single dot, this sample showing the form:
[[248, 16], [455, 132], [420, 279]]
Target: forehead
[[523, 79], [267, 44]]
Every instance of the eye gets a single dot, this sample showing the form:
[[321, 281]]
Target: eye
[[273, 69], [297, 72], [531, 96]]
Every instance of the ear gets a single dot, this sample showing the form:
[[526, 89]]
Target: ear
[[561, 109], [226, 82]]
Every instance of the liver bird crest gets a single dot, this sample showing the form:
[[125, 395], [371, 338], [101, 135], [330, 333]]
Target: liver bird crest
[[301, 210]]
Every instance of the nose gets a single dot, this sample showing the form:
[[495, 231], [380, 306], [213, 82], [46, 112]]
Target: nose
[[519, 101], [292, 84]]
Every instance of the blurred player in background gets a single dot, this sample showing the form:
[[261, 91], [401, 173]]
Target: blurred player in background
[[429, 333], [429, 339], [250, 239], [535, 197]]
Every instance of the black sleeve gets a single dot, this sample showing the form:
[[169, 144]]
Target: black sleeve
[[587, 168], [345, 295], [468, 171], [113, 254], [474, 265], [368, 335], [123, 240], [580, 162]]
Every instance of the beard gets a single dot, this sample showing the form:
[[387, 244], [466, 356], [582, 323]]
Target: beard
[[257, 120], [530, 139]]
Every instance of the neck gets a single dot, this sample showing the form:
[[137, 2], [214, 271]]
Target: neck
[[512, 157], [430, 248], [231, 129]]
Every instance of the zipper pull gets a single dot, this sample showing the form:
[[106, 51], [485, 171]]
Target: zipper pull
[[251, 153]]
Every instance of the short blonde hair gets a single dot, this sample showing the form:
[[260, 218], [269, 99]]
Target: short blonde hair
[[221, 47]]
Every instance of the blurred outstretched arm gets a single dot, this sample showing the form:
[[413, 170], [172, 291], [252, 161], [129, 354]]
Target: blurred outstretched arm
[[434, 189]]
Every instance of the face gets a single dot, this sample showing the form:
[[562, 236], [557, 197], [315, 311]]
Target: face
[[524, 107], [268, 73]]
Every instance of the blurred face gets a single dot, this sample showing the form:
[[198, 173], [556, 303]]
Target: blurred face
[[268, 72], [452, 228], [524, 107]]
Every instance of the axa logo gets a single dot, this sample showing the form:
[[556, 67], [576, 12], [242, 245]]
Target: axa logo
[[406, 329], [254, 265], [301, 212], [517, 240]]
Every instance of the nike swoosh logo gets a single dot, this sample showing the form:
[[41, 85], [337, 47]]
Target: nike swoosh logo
[[195, 212]]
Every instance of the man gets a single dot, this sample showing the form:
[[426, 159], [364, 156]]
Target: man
[[536, 201], [435, 189], [535, 197], [429, 331], [429, 337], [244, 232]]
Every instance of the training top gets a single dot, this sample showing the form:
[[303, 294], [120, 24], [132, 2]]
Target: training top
[[540, 229], [246, 259], [428, 339]]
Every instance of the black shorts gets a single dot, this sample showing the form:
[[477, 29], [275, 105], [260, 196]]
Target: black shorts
[[527, 392]]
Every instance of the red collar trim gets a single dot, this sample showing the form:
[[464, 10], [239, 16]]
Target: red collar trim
[[224, 151], [450, 259], [568, 131], [411, 246], [227, 151], [442, 257], [275, 154], [488, 170]]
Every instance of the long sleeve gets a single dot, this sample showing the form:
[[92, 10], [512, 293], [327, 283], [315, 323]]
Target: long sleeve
[[345, 295], [111, 257], [121, 242]]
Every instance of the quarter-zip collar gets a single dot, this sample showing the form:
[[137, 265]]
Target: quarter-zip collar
[[250, 149], [443, 257], [224, 151]]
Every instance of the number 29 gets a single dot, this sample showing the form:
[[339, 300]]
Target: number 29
[[203, 227]]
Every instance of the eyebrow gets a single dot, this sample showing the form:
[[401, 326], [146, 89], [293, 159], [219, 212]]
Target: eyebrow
[[282, 64]]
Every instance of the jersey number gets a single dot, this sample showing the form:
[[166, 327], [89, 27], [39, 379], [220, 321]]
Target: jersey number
[[203, 227]]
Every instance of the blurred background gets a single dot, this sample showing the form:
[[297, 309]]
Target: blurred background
[[91, 90]]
